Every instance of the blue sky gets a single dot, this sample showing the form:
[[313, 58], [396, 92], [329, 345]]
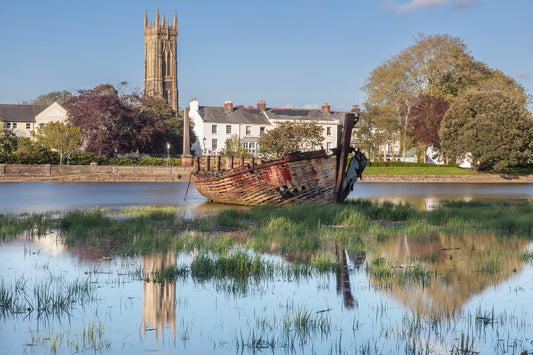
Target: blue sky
[[293, 53]]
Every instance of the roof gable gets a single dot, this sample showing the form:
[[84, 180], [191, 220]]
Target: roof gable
[[54, 112]]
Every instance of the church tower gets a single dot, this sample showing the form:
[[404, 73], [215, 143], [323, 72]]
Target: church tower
[[160, 60]]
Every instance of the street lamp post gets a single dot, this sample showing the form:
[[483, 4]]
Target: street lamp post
[[369, 150], [168, 154]]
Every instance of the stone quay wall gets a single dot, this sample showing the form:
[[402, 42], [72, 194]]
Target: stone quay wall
[[93, 172], [103, 173]]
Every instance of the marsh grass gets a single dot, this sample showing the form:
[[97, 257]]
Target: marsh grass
[[36, 224], [386, 273], [492, 262], [92, 336], [167, 274], [526, 256], [50, 296]]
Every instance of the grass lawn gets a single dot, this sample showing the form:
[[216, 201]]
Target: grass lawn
[[418, 171], [436, 170]]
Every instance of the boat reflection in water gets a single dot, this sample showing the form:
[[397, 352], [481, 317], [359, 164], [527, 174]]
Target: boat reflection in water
[[460, 266], [159, 298], [343, 279]]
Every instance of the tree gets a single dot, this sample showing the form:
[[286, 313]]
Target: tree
[[425, 125], [55, 96], [234, 146], [491, 127], [290, 137], [8, 142], [113, 124], [169, 126], [436, 65], [381, 129], [63, 138]]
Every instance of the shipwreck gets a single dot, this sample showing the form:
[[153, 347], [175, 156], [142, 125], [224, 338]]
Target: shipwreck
[[301, 177]]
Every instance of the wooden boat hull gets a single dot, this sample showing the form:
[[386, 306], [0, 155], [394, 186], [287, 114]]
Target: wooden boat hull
[[309, 177], [297, 178]]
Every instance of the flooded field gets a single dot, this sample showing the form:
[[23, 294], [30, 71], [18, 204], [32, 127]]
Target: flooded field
[[362, 278]]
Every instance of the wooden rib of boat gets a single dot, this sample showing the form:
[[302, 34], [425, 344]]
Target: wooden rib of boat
[[304, 177]]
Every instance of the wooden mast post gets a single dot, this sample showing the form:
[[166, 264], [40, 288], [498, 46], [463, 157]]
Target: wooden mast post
[[349, 123]]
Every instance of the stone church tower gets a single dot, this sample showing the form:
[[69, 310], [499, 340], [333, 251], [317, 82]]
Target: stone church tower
[[160, 60]]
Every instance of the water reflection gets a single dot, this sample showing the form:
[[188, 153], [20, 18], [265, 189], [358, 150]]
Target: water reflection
[[343, 280], [462, 265], [159, 298]]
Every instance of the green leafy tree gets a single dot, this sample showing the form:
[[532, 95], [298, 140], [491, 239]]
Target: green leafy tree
[[290, 137], [436, 65], [55, 96], [63, 138], [234, 146], [493, 128], [8, 142]]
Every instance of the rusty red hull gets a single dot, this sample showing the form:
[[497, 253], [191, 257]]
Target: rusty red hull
[[297, 178]]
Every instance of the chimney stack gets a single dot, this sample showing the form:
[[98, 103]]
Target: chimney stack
[[326, 107], [261, 105], [355, 108], [228, 104]]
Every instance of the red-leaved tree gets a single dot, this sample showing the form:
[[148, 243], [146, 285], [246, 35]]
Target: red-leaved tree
[[112, 124], [424, 125]]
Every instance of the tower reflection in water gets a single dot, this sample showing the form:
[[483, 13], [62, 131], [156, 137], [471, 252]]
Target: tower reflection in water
[[159, 298]]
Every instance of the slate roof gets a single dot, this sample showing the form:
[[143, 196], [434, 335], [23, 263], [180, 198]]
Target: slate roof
[[299, 114], [20, 113], [238, 115], [241, 115]]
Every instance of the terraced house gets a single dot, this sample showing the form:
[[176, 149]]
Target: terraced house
[[214, 125], [23, 119]]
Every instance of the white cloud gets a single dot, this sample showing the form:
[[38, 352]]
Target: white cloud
[[413, 5], [465, 4], [401, 8]]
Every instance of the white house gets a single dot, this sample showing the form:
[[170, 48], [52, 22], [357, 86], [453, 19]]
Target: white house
[[23, 119], [214, 125]]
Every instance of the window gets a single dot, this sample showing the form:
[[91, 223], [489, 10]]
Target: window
[[328, 145], [14, 125], [214, 129], [328, 131], [214, 143], [8, 125], [248, 130], [261, 130], [228, 129], [28, 126]]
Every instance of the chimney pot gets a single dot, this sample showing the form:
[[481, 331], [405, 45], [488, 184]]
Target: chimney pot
[[228, 104]]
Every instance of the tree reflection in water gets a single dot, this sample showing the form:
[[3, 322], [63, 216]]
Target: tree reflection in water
[[461, 265]]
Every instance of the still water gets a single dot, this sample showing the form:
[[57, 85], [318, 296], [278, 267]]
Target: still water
[[19, 197], [459, 307]]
